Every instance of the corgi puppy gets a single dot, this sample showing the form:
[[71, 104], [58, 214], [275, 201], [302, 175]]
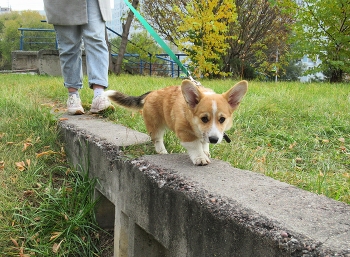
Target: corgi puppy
[[196, 114]]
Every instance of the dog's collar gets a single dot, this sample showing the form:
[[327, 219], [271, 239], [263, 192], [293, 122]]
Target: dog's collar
[[228, 140]]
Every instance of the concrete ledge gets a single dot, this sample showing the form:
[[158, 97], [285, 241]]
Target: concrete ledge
[[45, 62], [24, 60], [162, 205]]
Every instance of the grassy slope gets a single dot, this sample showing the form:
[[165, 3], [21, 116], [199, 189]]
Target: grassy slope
[[297, 133], [39, 191]]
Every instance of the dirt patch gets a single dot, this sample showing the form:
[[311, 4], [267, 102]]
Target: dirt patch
[[106, 243]]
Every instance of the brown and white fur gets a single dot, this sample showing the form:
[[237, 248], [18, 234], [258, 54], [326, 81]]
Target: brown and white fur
[[197, 115]]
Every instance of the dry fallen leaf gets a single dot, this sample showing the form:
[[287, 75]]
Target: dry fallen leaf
[[69, 189], [56, 246], [346, 175], [26, 145], [37, 185], [45, 153], [2, 165], [292, 145], [14, 241], [63, 119], [28, 193], [298, 160], [14, 178], [55, 235], [20, 166], [50, 105], [341, 139], [342, 148], [68, 171]]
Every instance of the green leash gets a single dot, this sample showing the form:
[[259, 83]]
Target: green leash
[[166, 49], [159, 40]]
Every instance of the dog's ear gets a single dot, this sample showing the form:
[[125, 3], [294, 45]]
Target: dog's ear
[[236, 93], [190, 93]]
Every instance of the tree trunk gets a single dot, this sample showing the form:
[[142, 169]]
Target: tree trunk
[[126, 29], [336, 76], [110, 62]]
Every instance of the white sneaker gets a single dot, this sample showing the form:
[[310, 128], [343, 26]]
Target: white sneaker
[[101, 103], [74, 106]]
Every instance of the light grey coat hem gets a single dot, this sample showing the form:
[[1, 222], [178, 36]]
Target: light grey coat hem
[[73, 12]]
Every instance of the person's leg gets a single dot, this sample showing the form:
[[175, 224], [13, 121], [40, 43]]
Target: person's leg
[[69, 43], [97, 56]]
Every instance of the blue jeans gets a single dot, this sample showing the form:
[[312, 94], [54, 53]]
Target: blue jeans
[[70, 40]]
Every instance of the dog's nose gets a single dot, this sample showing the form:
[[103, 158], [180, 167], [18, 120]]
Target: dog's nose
[[213, 140]]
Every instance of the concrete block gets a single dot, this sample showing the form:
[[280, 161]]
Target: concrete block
[[46, 62], [49, 62], [24, 60], [165, 206]]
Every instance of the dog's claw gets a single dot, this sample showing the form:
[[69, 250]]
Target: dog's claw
[[200, 161]]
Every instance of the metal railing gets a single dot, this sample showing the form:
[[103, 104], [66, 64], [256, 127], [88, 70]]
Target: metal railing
[[162, 65], [34, 39]]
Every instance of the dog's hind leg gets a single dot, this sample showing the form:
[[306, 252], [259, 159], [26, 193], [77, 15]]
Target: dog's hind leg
[[157, 135], [155, 124]]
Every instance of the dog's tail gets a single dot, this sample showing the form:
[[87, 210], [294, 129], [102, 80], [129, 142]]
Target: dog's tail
[[132, 102]]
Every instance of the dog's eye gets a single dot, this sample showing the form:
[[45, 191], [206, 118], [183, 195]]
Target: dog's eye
[[205, 119], [222, 119]]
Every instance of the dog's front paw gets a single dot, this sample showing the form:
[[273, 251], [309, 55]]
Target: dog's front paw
[[201, 160], [198, 152], [207, 154], [206, 149]]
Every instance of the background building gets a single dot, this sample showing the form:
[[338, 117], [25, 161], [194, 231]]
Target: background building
[[4, 10], [119, 13]]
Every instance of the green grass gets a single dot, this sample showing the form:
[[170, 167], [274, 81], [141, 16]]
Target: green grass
[[45, 205], [296, 133], [293, 132]]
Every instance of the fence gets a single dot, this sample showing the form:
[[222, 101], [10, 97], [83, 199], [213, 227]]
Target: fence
[[159, 64], [30, 37]]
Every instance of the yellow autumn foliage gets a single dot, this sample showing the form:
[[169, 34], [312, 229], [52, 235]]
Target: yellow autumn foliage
[[206, 24]]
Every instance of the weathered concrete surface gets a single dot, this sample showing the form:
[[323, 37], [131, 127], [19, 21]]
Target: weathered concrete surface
[[49, 63], [165, 206], [24, 60]]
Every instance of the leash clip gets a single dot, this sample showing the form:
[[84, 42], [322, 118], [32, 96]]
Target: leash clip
[[197, 83]]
